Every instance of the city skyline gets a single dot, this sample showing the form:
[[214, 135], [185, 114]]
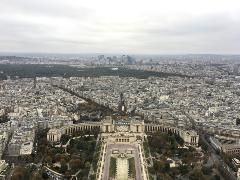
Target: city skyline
[[120, 90]]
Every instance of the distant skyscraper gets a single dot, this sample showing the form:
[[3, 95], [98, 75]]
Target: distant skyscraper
[[100, 57]]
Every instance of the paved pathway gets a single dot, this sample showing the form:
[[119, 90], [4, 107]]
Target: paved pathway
[[136, 155]]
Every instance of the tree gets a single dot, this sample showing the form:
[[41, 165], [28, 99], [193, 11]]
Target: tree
[[184, 169], [19, 173], [64, 138], [157, 142], [17, 176], [204, 146], [75, 164], [161, 166], [216, 177], [48, 160], [36, 176], [87, 164], [4, 118], [63, 167], [45, 175], [196, 175], [57, 157], [206, 170]]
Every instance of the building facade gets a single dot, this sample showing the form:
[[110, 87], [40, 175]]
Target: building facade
[[123, 129]]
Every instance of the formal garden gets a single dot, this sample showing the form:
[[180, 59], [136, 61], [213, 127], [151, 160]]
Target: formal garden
[[73, 155], [168, 158]]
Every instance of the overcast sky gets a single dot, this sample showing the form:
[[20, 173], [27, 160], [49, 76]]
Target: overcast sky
[[120, 26]]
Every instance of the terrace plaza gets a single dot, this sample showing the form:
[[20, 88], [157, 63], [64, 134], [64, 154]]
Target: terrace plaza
[[122, 138]]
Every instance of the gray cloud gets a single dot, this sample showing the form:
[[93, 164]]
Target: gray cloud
[[60, 26]]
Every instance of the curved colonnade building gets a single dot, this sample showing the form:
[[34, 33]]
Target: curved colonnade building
[[123, 130]]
